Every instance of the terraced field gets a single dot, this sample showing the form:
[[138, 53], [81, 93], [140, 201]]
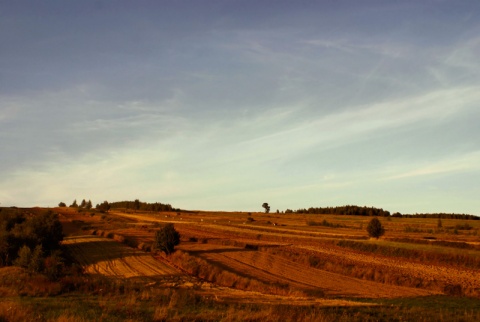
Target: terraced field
[[107, 257], [275, 269], [110, 258], [467, 278], [286, 247]]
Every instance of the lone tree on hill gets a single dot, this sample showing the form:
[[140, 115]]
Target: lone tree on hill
[[267, 207], [166, 239], [375, 228]]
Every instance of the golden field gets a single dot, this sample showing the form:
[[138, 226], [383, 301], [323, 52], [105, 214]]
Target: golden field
[[316, 267]]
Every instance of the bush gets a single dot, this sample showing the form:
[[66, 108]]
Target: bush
[[54, 266], [325, 223], [375, 228], [24, 257], [166, 239]]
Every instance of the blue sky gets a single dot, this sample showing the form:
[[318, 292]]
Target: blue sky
[[224, 105]]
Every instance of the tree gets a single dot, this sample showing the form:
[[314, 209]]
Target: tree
[[166, 239], [83, 204], [89, 205], [24, 257], [137, 204], [439, 223], [74, 204], [375, 228], [62, 204], [45, 230], [103, 207], [36, 260], [53, 266], [267, 207]]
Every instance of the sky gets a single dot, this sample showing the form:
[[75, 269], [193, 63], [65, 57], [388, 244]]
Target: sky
[[225, 105]]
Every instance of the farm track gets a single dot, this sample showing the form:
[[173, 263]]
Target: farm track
[[276, 269], [238, 228]]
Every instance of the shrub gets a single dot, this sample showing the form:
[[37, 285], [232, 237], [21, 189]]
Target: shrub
[[36, 260], [325, 223], [375, 228], [54, 266], [166, 239], [313, 261], [24, 257], [464, 226]]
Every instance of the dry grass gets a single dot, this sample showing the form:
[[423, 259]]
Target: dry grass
[[292, 229], [14, 311], [293, 259]]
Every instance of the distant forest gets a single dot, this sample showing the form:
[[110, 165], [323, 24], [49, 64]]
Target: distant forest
[[379, 212], [144, 206], [348, 210]]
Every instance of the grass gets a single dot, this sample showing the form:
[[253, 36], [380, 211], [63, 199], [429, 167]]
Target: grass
[[325, 223], [184, 305], [86, 298], [424, 253]]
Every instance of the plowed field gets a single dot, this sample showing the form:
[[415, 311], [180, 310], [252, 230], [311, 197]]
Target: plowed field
[[107, 257], [222, 240]]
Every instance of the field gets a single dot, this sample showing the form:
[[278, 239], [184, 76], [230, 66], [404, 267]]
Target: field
[[99, 255], [310, 267], [337, 261]]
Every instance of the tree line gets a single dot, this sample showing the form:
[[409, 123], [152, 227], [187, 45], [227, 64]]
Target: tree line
[[442, 216], [134, 205], [84, 204], [351, 210], [343, 210], [143, 206]]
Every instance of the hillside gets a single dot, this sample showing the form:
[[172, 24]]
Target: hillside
[[303, 264]]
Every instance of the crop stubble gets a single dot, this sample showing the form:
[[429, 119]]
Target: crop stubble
[[107, 257]]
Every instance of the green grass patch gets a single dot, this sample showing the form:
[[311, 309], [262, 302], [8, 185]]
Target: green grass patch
[[184, 305]]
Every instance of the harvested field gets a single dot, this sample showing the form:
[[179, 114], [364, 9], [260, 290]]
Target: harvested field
[[224, 294], [275, 269], [467, 278], [110, 258], [302, 257]]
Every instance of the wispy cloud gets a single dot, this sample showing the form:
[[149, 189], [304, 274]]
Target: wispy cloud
[[456, 164], [224, 106], [351, 124]]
